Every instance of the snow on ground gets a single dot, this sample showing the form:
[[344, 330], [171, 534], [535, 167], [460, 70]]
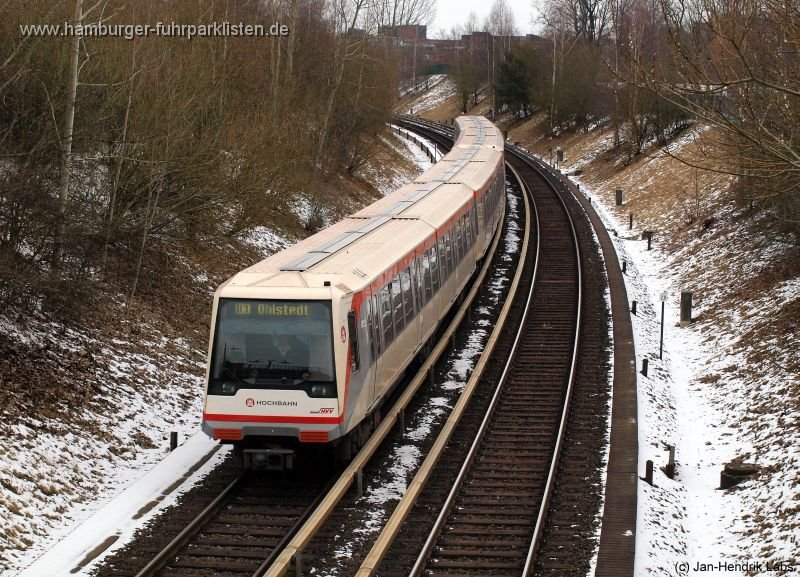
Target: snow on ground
[[57, 473], [388, 179], [266, 240], [115, 523], [727, 386], [422, 149], [440, 89]]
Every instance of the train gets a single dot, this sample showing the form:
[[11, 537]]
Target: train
[[306, 345]]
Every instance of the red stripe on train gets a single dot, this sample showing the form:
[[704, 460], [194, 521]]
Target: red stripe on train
[[274, 419]]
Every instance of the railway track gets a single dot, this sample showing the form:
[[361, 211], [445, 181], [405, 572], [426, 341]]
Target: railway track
[[566, 541], [251, 518], [507, 478]]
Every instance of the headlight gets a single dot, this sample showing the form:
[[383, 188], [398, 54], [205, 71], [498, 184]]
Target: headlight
[[323, 391]]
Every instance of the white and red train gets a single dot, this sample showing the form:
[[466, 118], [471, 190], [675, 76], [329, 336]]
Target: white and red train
[[306, 344]]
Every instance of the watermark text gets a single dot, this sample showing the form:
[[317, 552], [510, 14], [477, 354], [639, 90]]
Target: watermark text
[[159, 29], [721, 566]]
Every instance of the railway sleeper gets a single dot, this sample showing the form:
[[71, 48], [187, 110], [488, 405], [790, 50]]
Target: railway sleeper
[[209, 540], [518, 541], [215, 564], [254, 520], [481, 552], [490, 497], [224, 529], [481, 574], [237, 552], [476, 521], [481, 531], [500, 481], [471, 566], [504, 446]]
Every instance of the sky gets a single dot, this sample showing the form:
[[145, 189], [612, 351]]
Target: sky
[[452, 12]]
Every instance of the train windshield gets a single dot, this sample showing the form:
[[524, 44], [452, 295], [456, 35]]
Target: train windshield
[[271, 344]]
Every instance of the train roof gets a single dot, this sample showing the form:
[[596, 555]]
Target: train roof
[[480, 131], [466, 170], [353, 252], [427, 201]]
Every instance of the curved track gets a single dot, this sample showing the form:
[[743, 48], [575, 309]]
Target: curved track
[[492, 516]]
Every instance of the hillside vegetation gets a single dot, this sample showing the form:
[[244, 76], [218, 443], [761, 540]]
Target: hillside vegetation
[[115, 150]]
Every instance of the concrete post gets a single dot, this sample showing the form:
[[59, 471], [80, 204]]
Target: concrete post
[[686, 308]]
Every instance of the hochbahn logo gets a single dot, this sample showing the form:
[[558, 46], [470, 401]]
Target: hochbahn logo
[[252, 403]]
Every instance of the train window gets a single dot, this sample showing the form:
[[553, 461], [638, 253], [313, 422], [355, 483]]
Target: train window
[[272, 344], [468, 228], [434, 262], [449, 251], [443, 265], [366, 308], [376, 327], [370, 327], [456, 236], [386, 317], [397, 305], [408, 303], [352, 329], [452, 244], [426, 272], [419, 283]]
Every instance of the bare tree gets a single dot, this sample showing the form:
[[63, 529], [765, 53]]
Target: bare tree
[[501, 23], [736, 67], [586, 19], [347, 46]]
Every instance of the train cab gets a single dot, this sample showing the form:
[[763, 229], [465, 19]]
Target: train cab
[[274, 370]]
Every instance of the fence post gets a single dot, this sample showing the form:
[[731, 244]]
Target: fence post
[[648, 473], [670, 468], [619, 197], [686, 308]]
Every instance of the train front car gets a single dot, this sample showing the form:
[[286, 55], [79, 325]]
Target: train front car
[[277, 355], [272, 374]]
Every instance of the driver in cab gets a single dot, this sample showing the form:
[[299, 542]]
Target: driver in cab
[[288, 350]]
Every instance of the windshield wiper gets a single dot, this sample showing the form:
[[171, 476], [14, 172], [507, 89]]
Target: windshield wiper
[[227, 369]]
